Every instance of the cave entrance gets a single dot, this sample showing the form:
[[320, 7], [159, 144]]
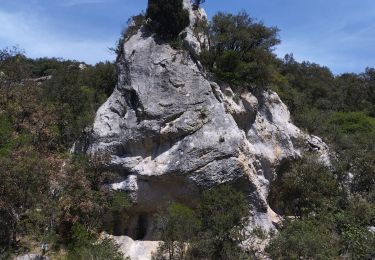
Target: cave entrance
[[137, 226], [141, 227]]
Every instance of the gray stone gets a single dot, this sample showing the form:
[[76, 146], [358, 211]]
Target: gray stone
[[32, 257], [136, 250], [371, 229]]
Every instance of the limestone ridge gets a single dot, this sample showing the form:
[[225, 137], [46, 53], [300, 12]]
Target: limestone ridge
[[172, 132]]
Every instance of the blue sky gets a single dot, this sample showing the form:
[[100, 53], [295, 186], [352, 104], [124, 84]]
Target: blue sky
[[339, 34]]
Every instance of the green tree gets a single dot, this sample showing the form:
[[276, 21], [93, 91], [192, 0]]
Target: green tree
[[223, 212], [168, 17], [75, 102], [87, 245], [178, 225], [241, 49], [80, 201], [306, 187], [303, 239], [116, 217], [102, 78], [14, 65], [24, 190]]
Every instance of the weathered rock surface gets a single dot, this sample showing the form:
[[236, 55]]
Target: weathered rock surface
[[172, 132], [136, 250], [32, 257]]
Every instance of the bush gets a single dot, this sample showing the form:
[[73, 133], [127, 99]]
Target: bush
[[303, 240], [86, 245], [223, 212], [213, 231], [353, 122], [116, 215], [178, 225], [357, 242], [241, 50], [14, 65], [305, 187], [168, 17], [5, 135]]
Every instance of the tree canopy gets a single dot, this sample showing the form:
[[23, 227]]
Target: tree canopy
[[167, 17], [241, 49]]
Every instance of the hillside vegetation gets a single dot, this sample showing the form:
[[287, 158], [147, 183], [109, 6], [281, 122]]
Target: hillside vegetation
[[49, 195]]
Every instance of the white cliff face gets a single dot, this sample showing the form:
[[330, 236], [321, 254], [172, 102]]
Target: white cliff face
[[172, 132]]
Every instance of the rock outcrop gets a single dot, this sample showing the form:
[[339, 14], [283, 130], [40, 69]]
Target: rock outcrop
[[171, 132], [136, 250]]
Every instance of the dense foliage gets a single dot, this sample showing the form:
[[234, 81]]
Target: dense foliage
[[213, 231], [167, 17], [336, 204], [86, 245], [306, 187], [240, 51], [44, 106]]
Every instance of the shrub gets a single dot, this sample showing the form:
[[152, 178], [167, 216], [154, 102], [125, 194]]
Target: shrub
[[241, 50], [116, 215], [168, 17], [305, 187], [353, 122], [357, 242], [223, 212], [178, 225], [5, 135], [86, 245], [303, 240], [213, 231], [133, 25]]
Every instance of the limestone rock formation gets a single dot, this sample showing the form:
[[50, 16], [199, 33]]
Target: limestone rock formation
[[171, 132], [136, 250]]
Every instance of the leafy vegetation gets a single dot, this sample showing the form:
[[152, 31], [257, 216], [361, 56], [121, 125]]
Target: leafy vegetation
[[213, 231], [240, 51], [303, 240], [178, 225], [86, 245], [306, 187], [167, 17], [339, 109], [45, 193]]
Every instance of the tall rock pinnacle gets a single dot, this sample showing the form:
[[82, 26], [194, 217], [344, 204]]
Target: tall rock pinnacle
[[172, 133]]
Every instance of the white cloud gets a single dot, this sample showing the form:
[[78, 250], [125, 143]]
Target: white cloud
[[38, 40]]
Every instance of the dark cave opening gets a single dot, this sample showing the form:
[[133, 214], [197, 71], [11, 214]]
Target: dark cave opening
[[135, 225], [134, 99], [141, 228]]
